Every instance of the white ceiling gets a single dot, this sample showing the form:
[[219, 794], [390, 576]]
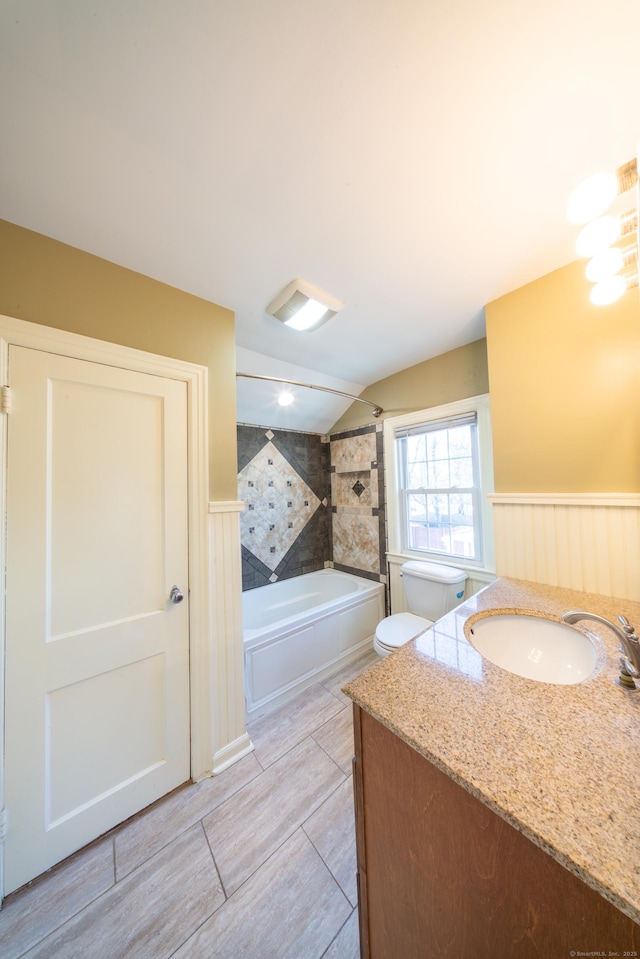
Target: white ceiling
[[413, 158]]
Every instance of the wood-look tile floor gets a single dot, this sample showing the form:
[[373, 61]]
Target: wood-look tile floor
[[256, 863]]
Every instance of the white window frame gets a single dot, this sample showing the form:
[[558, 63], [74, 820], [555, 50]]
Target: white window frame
[[474, 404]]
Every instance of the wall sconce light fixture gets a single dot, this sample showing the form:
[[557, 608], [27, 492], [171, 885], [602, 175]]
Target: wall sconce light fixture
[[613, 269]]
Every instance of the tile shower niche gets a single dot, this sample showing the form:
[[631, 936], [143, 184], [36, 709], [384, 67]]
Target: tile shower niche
[[357, 496]]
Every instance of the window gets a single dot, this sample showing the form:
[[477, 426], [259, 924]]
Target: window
[[441, 461], [439, 485]]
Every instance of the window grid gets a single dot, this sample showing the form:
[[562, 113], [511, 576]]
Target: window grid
[[440, 479]]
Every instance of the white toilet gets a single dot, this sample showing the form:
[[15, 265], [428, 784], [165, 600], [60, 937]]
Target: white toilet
[[431, 591]]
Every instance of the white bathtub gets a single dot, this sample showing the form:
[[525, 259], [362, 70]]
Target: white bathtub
[[297, 631]]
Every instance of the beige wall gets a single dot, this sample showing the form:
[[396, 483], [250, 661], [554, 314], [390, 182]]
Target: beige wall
[[47, 282], [565, 388], [452, 376]]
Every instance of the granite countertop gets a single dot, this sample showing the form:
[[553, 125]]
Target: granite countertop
[[560, 763]]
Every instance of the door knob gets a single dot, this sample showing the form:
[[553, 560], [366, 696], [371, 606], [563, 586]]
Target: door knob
[[176, 595]]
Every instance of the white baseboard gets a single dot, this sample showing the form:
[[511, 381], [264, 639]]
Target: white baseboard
[[231, 753]]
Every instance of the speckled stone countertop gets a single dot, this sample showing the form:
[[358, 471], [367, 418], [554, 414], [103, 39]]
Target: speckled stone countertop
[[560, 763]]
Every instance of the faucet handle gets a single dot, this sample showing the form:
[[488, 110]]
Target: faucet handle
[[628, 628]]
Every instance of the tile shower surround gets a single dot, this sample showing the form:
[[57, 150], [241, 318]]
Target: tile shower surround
[[285, 527], [358, 505], [311, 501]]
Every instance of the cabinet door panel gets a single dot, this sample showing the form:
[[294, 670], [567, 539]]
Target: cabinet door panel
[[443, 876]]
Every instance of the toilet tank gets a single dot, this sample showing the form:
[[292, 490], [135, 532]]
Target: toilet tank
[[432, 589]]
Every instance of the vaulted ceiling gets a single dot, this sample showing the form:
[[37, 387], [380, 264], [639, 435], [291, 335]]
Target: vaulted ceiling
[[412, 158]]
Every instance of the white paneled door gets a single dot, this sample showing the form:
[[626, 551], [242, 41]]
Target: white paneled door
[[97, 662]]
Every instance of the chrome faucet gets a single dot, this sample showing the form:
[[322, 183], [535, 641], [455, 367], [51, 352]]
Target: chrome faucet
[[629, 643]]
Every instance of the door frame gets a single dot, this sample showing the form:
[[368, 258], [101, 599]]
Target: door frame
[[14, 332]]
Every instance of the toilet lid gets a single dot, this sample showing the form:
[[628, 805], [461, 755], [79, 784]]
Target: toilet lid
[[435, 572], [398, 629]]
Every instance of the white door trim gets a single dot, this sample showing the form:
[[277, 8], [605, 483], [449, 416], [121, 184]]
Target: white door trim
[[22, 333]]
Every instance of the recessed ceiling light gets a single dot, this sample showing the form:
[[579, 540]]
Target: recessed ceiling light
[[285, 398], [303, 307]]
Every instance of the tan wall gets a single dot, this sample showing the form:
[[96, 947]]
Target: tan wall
[[565, 388], [452, 376], [47, 282]]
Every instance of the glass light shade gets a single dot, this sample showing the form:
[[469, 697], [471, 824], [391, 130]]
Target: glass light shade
[[592, 197], [599, 235], [605, 265], [608, 291], [310, 314], [285, 398]]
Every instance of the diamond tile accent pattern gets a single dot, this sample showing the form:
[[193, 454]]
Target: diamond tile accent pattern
[[279, 504]]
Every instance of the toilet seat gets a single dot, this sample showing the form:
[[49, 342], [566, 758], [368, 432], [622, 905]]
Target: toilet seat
[[398, 629]]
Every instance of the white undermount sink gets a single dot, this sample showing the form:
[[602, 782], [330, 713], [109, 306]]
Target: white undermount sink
[[535, 648]]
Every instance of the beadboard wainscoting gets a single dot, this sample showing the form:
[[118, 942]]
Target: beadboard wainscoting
[[477, 579], [589, 542], [229, 733]]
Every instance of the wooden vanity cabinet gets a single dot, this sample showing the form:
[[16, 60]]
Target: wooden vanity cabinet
[[441, 875]]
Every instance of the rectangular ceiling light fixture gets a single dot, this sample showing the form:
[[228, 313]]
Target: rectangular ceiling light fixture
[[303, 307]]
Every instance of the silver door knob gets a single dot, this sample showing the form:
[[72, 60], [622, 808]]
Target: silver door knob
[[176, 595]]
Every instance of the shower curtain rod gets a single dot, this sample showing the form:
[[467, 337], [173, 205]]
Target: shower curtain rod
[[377, 410]]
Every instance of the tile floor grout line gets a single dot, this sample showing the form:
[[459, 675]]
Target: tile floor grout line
[[50, 932], [327, 865], [285, 839], [269, 857], [309, 735], [291, 748], [282, 706], [343, 706], [43, 942], [325, 801], [320, 746], [297, 745], [348, 919], [55, 929], [251, 753], [245, 881], [209, 812], [211, 914], [268, 714], [215, 865], [273, 853]]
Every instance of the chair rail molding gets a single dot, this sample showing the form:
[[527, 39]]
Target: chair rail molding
[[583, 541], [567, 499]]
